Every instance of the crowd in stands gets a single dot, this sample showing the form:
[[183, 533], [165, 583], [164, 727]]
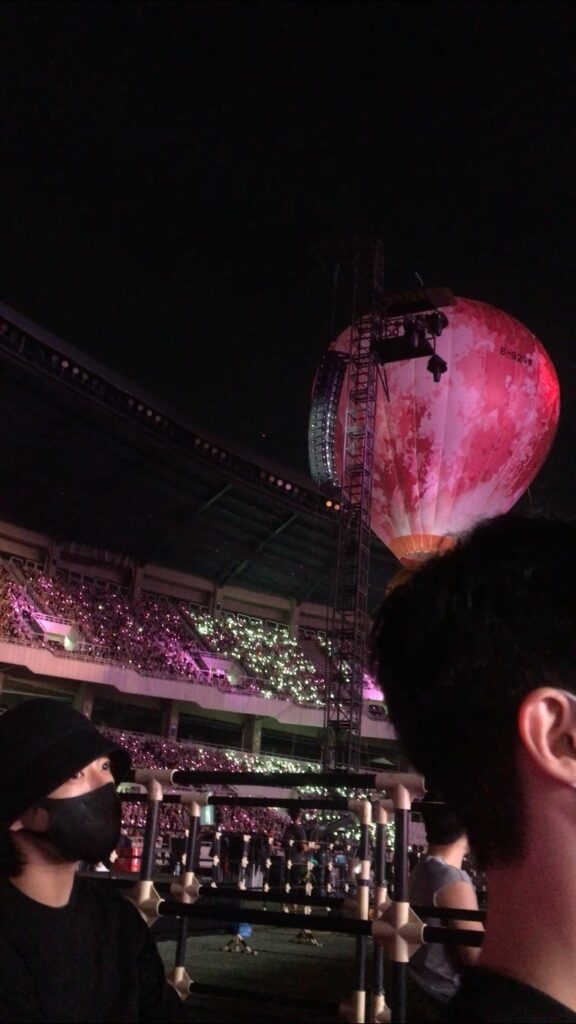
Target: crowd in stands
[[159, 752], [145, 633], [14, 610], [154, 635], [332, 830], [270, 654]]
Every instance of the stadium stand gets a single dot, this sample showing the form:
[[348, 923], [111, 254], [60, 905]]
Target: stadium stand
[[207, 604], [269, 654], [158, 752], [155, 635]]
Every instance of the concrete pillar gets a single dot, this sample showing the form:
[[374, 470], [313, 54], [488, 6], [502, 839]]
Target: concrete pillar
[[52, 558], [252, 734], [84, 699], [294, 618], [170, 718], [137, 578], [216, 603]]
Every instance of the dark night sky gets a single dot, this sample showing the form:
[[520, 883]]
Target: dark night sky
[[170, 169]]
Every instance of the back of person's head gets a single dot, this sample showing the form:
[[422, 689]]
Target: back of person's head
[[457, 649], [443, 827], [43, 743], [295, 815]]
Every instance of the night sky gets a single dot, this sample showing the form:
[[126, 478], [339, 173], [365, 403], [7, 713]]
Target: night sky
[[174, 174]]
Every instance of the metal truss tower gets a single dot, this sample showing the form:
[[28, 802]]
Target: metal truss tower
[[343, 710]]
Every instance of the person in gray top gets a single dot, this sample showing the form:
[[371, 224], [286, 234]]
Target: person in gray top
[[435, 969]]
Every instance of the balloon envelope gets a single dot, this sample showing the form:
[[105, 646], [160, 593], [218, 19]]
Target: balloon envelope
[[448, 454]]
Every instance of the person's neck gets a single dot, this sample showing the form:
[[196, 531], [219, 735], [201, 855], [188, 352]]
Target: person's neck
[[531, 919], [452, 853], [45, 878], [49, 885]]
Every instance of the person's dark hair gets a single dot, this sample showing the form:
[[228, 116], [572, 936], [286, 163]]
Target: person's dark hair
[[295, 814], [441, 823], [12, 862], [457, 648]]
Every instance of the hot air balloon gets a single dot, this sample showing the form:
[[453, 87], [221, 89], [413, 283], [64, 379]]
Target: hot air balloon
[[453, 447]]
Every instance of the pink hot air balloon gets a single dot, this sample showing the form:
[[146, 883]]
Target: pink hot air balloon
[[465, 448]]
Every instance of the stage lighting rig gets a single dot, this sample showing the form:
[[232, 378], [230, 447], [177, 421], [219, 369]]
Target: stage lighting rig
[[436, 322], [413, 335], [411, 322], [436, 366], [415, 331]]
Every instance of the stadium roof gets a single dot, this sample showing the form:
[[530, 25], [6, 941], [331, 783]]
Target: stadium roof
[[89, 457]]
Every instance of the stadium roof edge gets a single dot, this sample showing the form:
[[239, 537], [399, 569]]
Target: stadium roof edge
[[122, 383], [88, 457]]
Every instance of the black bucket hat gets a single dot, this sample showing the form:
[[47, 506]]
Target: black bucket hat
[[43, 743]]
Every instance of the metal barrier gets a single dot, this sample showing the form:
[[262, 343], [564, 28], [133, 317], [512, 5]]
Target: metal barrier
[[396, 928]]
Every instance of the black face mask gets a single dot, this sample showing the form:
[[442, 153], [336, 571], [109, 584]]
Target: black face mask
[[84, 827]]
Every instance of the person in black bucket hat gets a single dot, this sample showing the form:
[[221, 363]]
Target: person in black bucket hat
[[71, 950]]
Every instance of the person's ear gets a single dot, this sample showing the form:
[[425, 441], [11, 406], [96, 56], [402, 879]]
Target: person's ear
[[547, 729], [35, 818]]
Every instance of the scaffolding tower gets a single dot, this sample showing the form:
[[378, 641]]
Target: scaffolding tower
[[385, 328], [348, 634]]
